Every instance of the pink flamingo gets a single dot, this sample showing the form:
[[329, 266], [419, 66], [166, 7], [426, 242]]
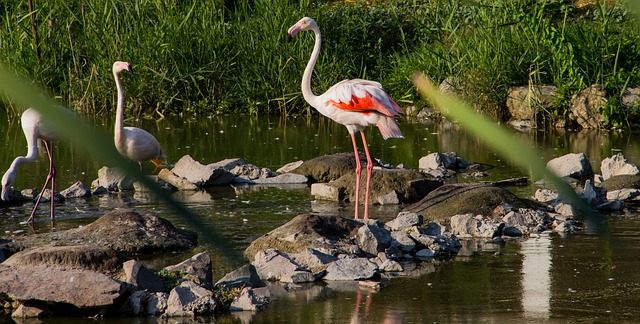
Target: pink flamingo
[[34, 128], [134, 143], [354, 103]]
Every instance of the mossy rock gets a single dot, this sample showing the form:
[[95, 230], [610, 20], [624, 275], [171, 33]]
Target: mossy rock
[[331, 167], [410, 185], [623, 181]]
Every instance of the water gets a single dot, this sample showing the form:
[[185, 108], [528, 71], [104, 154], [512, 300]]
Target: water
[[550, 278]]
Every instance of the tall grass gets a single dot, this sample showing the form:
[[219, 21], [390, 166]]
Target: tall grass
[[222, 56]]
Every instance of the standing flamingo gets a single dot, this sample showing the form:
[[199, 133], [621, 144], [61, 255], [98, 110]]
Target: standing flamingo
[[354, 103], [134, 143], [34, 128]]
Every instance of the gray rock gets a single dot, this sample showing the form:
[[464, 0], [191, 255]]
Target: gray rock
[[227, 164], [135, 304], [545, 195], [285, 178], [98, 190], [373, 239], [289, 167], [141, 277], [469, 225], [585, 107], [575, 165], [426, 254], [251, 172], [113, 179], [403, 241], [246, 301], [156, 304], [405, 220], [189, 299], [391, 266], [564, 209], [77, 190], [243, 276], [525, 102], [86, 257], [54, 285], [201, 175], [197, 268], [389, 199], [273, 265], [434, 229], [298, 277], [351, 269], [512, 231], [330, 167], [438, 160], [326, 191], [617, 165], [623, 194], [313, 259], [173, 179], [30, 309]]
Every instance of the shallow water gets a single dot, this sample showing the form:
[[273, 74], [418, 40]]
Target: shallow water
[[581, 277]]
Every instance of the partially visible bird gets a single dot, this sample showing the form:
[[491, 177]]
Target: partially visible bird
[[34, 129], [354, 103], [134, 143]]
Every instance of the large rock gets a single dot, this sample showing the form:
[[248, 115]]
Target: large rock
[[245, 276], [373, 239], [585, 107], [77, 287], [331, 167], [449, 160], [575, 165], [77, 190], [306, 231], [470, 225], [113, 179], [202, 175], [455, 199], [617, 165], [142, 278], [197, 269], [525, 102], [246, 301], [624, 181], [189, 299], [173, 179], [273, 265], [86, 257], [351, 269]]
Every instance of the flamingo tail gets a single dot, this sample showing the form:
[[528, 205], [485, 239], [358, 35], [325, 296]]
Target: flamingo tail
[[388, 128]]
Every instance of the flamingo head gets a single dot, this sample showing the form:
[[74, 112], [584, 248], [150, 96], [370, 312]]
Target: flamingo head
[[119, 66], [7, 182], [305, 23]]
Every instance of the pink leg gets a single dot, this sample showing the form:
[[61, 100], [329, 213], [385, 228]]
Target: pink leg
[[358, 169], [369, 168], [50, 178]]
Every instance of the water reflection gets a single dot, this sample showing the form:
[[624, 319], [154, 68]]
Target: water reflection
[[536, 276]]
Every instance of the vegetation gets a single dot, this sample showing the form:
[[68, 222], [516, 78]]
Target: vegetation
[[231, 56]]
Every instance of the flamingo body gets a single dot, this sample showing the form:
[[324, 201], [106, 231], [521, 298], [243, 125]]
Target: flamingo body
[[132, 142], [355, 104]]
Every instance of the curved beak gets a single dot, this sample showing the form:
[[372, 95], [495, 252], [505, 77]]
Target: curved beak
[[292, 32]]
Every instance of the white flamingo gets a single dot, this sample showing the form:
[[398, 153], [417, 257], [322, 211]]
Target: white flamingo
[[354, 103], [134, 143]]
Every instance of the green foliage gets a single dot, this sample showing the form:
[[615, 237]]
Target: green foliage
[[231, 56], [170, 279]]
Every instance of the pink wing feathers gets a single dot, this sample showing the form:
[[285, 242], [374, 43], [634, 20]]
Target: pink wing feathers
[[361, 95]]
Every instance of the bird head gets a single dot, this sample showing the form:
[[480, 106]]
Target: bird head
[[119, 66], [305, 23], [7, 181]]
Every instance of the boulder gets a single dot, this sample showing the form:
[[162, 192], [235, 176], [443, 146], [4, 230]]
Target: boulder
[[86, 257], [327, 191], [448, 160], [525, 102], [156, 304], [31, 309], [246, 301], [113, 179], [243, 276], [203, 175], [585, 107], [623, 181], [331, 167], [313, 260], [197, 269], [141, 277], [189, 299], [227, 164], [285, 178], [617, 165], [373, 239], [271, 264], [289, 167], [574, 165], [351, 269], [251, 172], [392, 198], [173, 179], [404, 220], [470, 225], [77, 190]]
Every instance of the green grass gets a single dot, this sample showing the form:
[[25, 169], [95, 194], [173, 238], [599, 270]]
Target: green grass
[[232, 56]]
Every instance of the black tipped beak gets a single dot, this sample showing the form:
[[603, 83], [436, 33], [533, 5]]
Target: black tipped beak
[[289, 38], [130, 69]]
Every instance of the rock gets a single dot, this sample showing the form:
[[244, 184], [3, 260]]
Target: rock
[[452, 85], [251, 172], [469, 225], [246, 301], [373, 239], [323, 233], [574, 165], [403, 241], [141, 277], [227, 164], [156, 304], [564, 209], [54, 285], [623, 194], [113, 179], [585, 107], [455, 199], [197, 268], [77, 190], [404, 220], [31, 309], [391, 266], [289, 167], [285, 178], [623, 181], [135, 304], [243, 276], [298, 277], [313, 259], [545, 195], [189, 299], [173, 179], [448, 160], [330, 167], [389, 199], [617, 165], [271, 264], [426, 254], [525, 102], [327, 191], [202, 175], [351, 269]]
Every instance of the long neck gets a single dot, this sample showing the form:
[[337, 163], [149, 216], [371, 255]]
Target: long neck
[[308, 71], [120, 109]]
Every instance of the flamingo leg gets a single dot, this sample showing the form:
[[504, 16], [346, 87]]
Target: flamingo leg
[[50, 178], [369, 169], [358, 170]]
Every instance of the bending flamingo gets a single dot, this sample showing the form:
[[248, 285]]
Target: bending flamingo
[[134, 143], [34, 128], [354, 103]]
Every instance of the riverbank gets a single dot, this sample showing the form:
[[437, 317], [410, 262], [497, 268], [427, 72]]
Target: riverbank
[[229, 57]]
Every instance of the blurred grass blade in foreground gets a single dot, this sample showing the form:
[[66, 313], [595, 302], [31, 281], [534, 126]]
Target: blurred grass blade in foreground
[[504, 143], [101, 147]]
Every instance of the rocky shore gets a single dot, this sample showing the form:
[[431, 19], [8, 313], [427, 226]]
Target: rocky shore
[[95, 271]]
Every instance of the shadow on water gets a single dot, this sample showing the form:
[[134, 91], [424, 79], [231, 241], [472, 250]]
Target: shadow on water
[[548, 278]]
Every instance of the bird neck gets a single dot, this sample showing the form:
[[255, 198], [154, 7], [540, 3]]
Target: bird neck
[[308, 71], [120, 109]]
